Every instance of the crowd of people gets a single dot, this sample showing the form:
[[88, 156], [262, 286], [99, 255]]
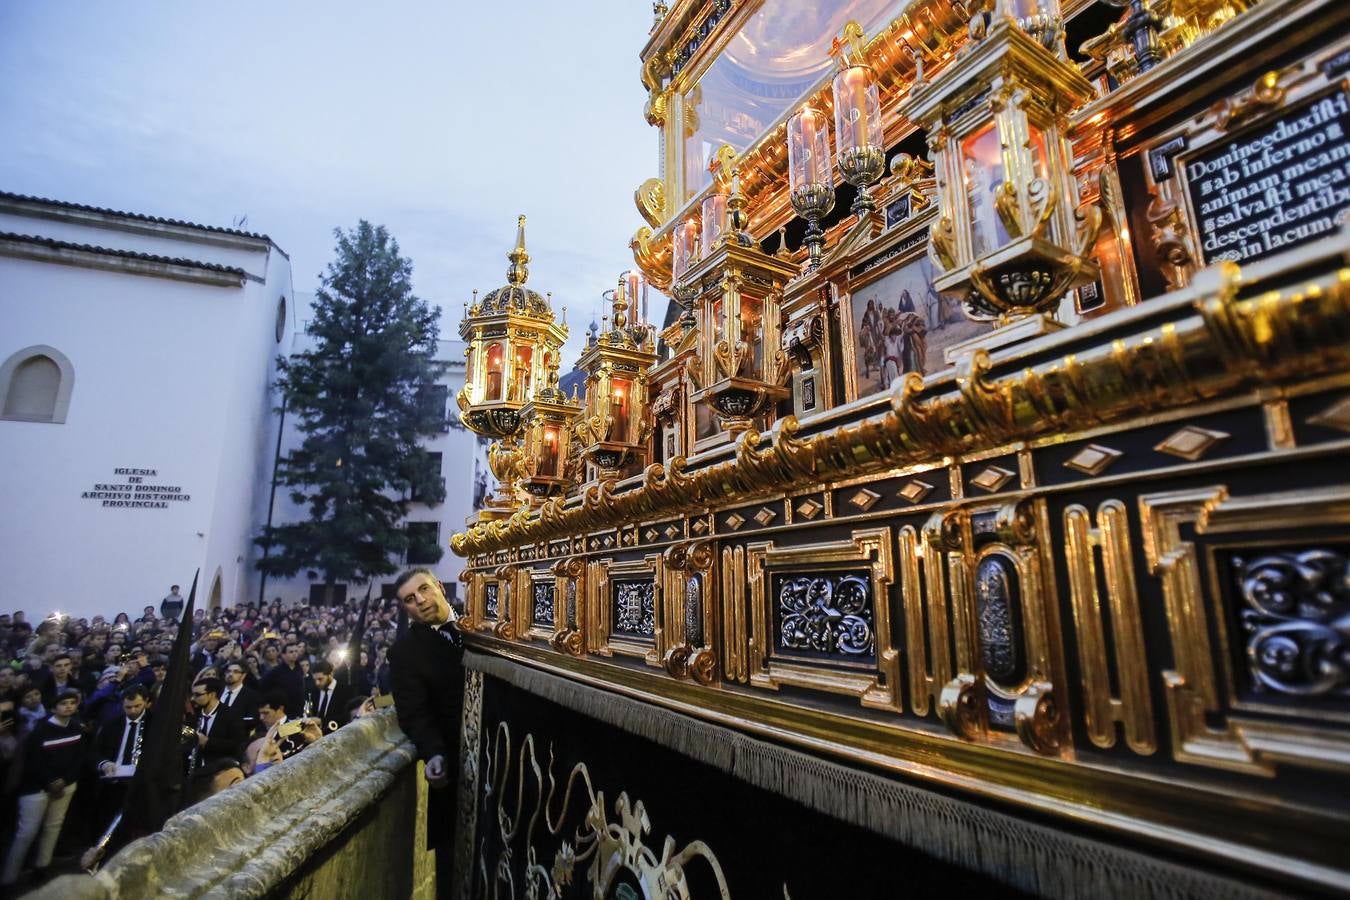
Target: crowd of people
[[76, 697]]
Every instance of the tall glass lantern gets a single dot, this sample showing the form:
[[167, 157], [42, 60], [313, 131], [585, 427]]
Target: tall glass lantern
[[549, 417], [809, 178], [738, 292], [861, 149], [614, 427], [513, 342], [1010, 238], [684, 253], [714, 221]]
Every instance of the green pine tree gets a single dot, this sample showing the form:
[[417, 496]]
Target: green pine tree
[[360, 397]]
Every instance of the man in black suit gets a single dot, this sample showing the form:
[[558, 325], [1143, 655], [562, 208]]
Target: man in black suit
[[220, 732], [427, 666], [116, 751], [327, 699], [239, 697], [287, 677]]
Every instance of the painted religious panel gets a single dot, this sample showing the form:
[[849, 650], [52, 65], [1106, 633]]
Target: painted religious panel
[[901, 324]]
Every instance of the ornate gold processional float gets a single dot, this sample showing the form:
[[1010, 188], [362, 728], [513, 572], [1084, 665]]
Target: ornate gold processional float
[[984, 490]]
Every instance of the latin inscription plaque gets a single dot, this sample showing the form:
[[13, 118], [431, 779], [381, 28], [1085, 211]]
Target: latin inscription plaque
[[1281, 183]]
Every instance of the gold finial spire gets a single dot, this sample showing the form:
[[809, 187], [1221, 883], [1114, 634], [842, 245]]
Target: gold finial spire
[[847, 48], [519, 271]]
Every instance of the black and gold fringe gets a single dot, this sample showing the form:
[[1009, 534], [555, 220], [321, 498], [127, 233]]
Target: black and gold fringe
[[1028, 856]]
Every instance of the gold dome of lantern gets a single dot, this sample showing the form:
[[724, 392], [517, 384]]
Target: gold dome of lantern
[[514, 342]]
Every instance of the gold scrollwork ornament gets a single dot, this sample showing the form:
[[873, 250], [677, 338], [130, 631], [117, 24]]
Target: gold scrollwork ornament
[[961, 706], [1039, 719]]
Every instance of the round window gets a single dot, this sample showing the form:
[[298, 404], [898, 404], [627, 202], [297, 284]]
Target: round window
[[281, 318]]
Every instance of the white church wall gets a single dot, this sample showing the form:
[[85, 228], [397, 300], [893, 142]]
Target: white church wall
[[154, 381], [245, 425]]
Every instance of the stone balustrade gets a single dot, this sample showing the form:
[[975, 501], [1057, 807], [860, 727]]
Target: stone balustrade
[[344, 818]]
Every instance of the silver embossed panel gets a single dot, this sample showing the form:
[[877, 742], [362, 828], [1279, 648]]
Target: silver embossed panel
[[543, 603], [634, 609], [827, 615], [1294, 608], [491, 601]]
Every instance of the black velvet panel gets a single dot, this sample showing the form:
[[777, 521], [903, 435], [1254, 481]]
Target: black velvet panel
[[761, 842]]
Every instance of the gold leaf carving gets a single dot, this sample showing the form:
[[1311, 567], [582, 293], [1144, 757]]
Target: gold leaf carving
[[650, 198]]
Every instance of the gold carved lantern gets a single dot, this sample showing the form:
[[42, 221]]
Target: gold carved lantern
[[549, 418], [737, 288], [1010, 239], [614, 427], [513, 342]]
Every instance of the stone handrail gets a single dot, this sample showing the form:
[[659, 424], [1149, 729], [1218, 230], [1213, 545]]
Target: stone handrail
[[247, 840]]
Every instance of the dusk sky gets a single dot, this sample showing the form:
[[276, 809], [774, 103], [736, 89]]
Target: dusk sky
[[441, 121]]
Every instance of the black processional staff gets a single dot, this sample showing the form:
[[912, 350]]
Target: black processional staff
[[357, 637], [157, 786]]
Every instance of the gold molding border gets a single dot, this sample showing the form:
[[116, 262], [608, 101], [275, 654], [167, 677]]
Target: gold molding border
[[682, 658], [1133, 708], [529, 629], [1199, 689], [878, 686], [604, 641], [735, 633], [569, 631]]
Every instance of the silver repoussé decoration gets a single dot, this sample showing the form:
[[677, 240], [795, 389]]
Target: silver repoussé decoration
[[827, 614]]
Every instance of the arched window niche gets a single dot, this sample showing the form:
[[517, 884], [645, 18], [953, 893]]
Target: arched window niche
[[35, 385]]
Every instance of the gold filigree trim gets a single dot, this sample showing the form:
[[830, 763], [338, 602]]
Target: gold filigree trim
[[1191, 442], [808, 509], [992, 478], [864, 499], [915, 490], [1337, 416], [1094, 459]]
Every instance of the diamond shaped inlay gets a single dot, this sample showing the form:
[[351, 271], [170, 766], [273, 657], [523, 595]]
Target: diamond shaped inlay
[[733, 521], [629, 539], [1191, 443], [864, 499], [609, 541], [1337, 416], [992, 478], [915, 490], [671, 530], [765, 515], [700, 526], [650, 534], [809, 509], [1094, 459]]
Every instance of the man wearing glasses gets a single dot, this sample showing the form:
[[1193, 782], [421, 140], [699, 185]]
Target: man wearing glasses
[[427, 676], [220, 732]]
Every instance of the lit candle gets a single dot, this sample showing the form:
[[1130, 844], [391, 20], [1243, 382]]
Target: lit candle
[[550, 460], [808, 125], [856, 79], [620, 430], [714, 214], [632, 278], [682, 247]]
